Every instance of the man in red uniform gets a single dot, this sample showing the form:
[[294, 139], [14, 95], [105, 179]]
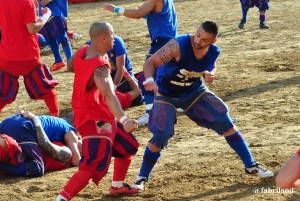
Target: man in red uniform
[[95, 106], [20, 55]]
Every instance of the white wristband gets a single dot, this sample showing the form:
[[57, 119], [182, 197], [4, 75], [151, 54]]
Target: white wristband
[[115, 87], [148, 80], [123, 119], [37, 122], [45, 17], [121, 11]]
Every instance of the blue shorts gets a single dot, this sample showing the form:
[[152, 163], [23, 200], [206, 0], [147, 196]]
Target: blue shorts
[[262, 5], [206, 110], [156, 45], [56, 30]]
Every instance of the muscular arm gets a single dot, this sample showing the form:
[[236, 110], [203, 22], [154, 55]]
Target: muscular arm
[[62, 154], [168, 52], [140, 12], [104, 83], [120, 62]]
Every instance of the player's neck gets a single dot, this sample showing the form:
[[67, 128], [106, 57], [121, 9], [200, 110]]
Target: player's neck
[[200, 53], [93, 52]]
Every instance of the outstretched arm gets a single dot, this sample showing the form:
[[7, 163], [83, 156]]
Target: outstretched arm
[[62, 154], [138, 13]]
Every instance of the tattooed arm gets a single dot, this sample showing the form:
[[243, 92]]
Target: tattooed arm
[[104, 83], [168, 52], [62, 154]]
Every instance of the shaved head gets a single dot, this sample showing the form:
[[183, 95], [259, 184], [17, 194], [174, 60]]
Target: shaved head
[[100, 28]]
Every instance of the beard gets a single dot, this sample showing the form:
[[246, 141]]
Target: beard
[[198, 47]]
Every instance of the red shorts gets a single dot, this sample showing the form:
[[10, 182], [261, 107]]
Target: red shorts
[[37, 79], [101, 141]]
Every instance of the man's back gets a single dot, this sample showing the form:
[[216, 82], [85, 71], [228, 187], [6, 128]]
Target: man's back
[[55, 128], [23, 131], [19, 128], [163, 24]]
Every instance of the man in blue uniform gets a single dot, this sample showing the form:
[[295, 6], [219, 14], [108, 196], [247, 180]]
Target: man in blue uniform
[[162, 25], [34, 132], [262, 5], [182, 62], [55, 31]]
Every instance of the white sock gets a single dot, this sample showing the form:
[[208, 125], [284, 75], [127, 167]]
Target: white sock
[[118, 184], [61, 198]]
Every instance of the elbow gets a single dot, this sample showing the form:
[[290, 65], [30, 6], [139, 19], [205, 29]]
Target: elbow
[[75, 161], [139, 91], [136, 93], [35, 169]]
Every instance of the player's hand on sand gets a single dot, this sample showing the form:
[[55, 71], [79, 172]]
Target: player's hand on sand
[[130, 125], [19, 112], [209, 77], [109, 7]]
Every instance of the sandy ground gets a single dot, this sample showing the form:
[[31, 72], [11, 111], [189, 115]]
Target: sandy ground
[[258, 77]]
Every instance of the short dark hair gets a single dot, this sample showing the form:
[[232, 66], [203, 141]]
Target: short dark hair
[[210, 27]]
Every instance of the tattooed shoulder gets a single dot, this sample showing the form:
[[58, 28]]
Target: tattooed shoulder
[[102, 71], [170, 51]]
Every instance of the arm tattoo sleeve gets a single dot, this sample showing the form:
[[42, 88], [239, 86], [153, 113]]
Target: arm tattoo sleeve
[[102, 71], [170, 51], [62, 154]]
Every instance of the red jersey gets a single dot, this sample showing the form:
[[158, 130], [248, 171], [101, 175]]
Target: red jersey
[[124, 99], [88, 105], [17, 44]]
